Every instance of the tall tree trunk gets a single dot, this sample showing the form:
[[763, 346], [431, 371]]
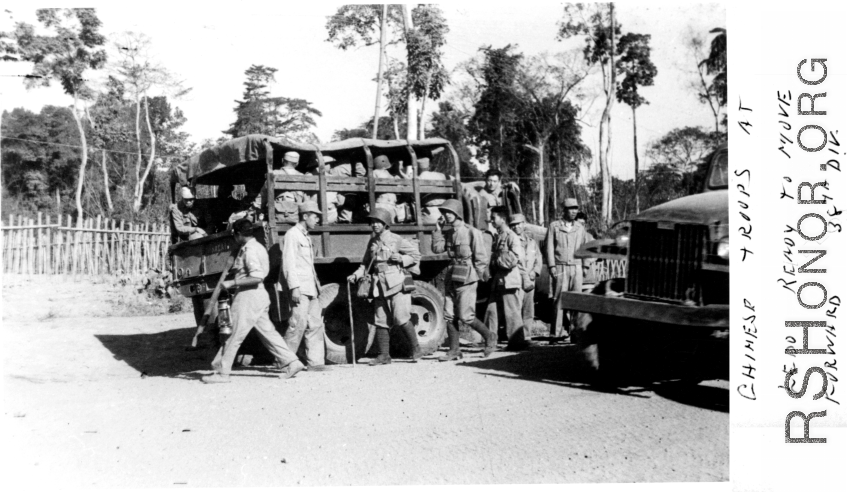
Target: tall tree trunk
[[606, 131], [136, 206], [635, 155], [106, 181], [396, 126], [82, 164], [137, 140], [378, 104], [422, 117], [411, 107], [541, 144]]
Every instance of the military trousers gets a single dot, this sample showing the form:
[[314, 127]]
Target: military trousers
[[393, 310], [569, 279], [249, 310], [528, 309], [306, 323], [460, 302], [506, 303]]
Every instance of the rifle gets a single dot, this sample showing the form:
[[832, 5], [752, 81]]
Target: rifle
[[201, 326]]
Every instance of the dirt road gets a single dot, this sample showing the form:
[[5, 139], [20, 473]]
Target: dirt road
[[117, 402]]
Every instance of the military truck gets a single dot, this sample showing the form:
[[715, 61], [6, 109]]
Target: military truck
[[228, 177], [669, 315]]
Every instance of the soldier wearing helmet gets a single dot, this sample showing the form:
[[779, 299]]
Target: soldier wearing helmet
[[389, 258], [468, 254], [564, 237], [183, 219], [298, 272]]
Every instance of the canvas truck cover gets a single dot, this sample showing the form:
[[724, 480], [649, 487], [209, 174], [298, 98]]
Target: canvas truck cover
[[251, 148]]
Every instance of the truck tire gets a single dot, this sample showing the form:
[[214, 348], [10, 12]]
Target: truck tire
[[336, 317], [605, 348], [428, 320]]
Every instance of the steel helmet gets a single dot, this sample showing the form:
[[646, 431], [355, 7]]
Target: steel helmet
[[381, 162], [452, 205], [382, 215]]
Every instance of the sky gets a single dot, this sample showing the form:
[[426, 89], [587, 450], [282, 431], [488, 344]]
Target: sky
[[210, 46]]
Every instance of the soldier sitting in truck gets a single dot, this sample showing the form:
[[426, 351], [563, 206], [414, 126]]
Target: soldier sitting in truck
[[183, 219]]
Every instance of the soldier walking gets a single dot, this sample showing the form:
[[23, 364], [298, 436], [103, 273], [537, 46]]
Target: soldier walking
[[250, 309], [389, 257], [564, 237], [298, 270], [530, 270], [506, 282], [468, 260]]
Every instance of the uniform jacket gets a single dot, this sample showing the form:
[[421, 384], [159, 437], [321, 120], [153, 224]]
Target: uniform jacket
[[532, 261], [261, 200], [298, 262], [252, 261], [561, 244], [506, 260], [389, 275], [183, 219], [464, 245]]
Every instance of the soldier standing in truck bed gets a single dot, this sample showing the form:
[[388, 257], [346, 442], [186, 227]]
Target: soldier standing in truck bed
[[468, 265], [250, 308], [285, 202], [389, 257], [564, 238]]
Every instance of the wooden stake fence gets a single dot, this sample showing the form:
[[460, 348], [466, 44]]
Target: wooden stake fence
[[43, 246]]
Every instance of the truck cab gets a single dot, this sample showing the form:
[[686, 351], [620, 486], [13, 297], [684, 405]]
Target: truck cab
[[675, 294]]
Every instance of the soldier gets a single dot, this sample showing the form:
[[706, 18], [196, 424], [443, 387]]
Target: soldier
[[432, 201], [298, 269], [468, 261], [386, 201], [250, 309], [183, 219], [531, 267], [507, 256], [284, 201], [494, 194], [390, 257], [564, 237]]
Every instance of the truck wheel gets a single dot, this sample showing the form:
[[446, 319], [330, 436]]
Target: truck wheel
[[604, 348], [336, 317], [428, 320]]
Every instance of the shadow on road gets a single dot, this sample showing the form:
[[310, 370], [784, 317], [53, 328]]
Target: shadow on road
[[159, 354], [562, 365]]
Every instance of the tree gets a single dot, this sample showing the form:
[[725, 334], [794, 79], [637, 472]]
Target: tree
[[496, 112], [596, 22], [682, 153], [710, 82], [40, 158], [421, 29], [365, 130], [141, 74], [545, 86], [638, 70], [258, 112], [73, 48]]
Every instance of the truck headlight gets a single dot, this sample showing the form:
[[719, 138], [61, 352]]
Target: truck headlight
[[723, 248]]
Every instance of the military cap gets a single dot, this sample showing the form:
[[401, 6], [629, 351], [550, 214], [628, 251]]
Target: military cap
[[186, 194], [381, 162], [517, 219], [570, 203], [243, 227], [328, 159], [382, 215], [309, 206], [453, 206], [423, 163], [291, 156]]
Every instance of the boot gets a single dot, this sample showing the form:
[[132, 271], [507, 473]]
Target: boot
[[382, 339], [453, 340], [489, 336], [409, 329]]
